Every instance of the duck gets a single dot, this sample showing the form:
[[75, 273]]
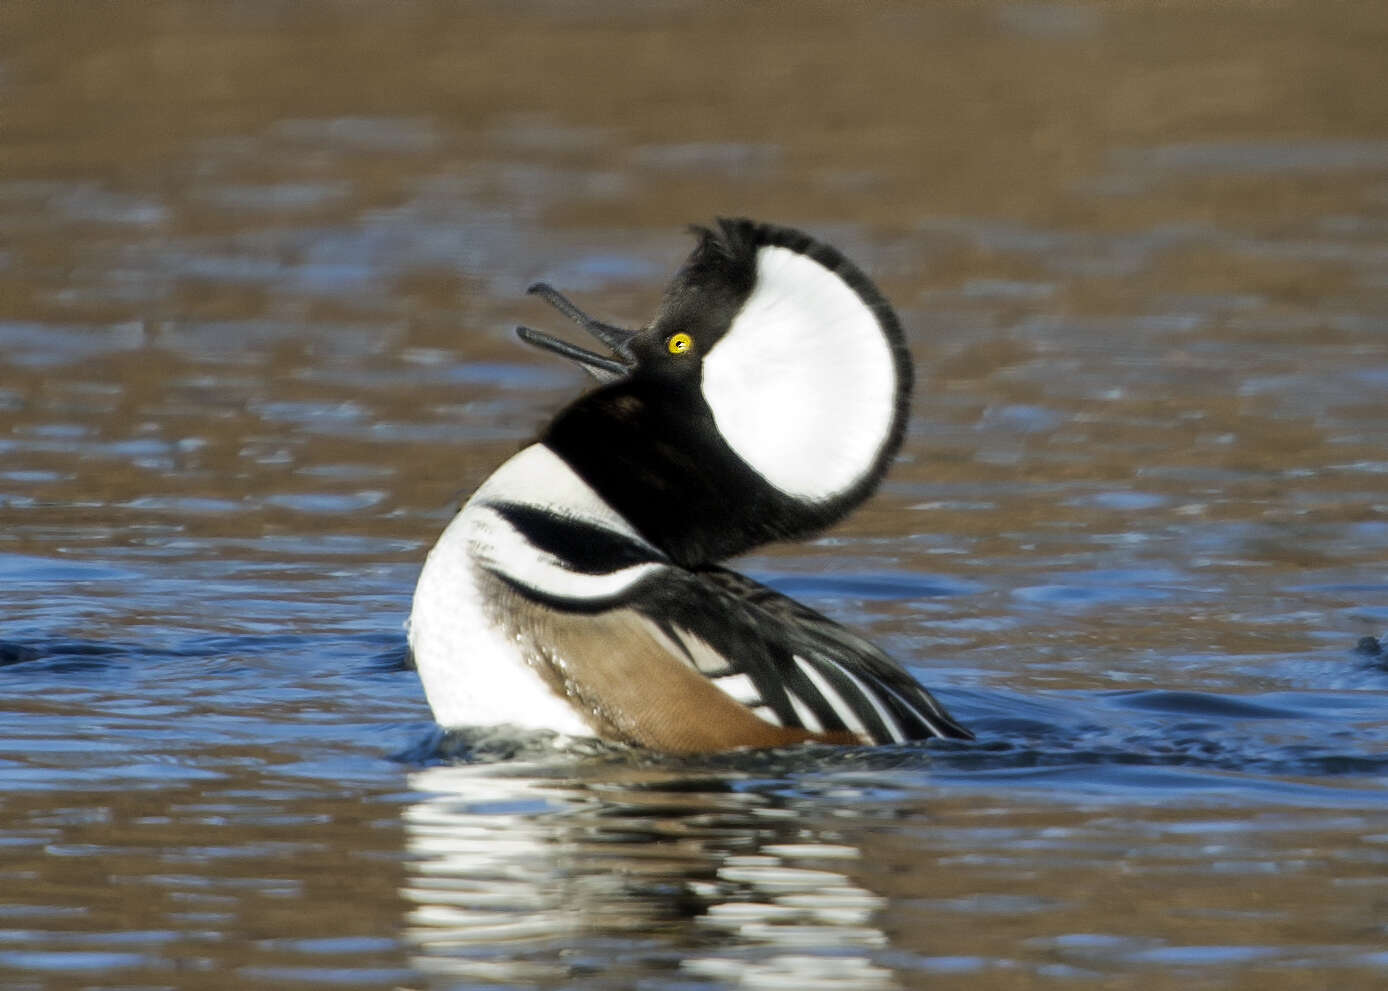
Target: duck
[[581, 589]]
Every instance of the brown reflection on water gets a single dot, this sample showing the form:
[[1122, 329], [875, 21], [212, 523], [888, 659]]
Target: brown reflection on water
[[258, 269], [206, 885]]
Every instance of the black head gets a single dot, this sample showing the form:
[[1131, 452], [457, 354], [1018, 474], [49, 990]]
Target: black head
[[763, 402]]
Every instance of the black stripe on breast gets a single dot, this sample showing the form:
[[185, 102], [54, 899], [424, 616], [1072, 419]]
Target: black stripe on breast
[[583, 547]]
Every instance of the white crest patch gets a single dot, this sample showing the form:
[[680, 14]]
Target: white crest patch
[[803, 386]]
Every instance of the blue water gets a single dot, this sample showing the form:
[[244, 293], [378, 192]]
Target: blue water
[[259, 270], [358, 691], [278, 808]]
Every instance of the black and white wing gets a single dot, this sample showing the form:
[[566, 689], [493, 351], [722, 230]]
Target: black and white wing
[[689, 660], [788, 663]]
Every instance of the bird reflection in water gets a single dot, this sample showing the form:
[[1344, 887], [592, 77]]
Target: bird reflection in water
[[539, 872]]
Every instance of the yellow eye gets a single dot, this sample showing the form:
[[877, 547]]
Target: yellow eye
[[679, 343]]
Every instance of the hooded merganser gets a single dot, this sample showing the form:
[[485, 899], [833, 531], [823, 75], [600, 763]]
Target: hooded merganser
[[579, 589]]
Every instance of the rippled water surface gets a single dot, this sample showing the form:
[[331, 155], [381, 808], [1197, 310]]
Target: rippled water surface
[[259, 266]]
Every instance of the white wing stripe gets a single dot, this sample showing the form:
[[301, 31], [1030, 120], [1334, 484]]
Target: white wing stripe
[[767, 714], [887, 720], [836, 701], [706, 659], [740, 687], [671, 647], [804, 713], [924, 713]]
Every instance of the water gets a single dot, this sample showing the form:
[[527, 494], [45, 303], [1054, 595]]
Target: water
[[258, 270]]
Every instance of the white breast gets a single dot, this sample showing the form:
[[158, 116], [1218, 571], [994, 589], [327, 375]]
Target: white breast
[[473, 674]]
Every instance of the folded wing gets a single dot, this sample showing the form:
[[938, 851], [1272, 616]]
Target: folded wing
[[699, 661]]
